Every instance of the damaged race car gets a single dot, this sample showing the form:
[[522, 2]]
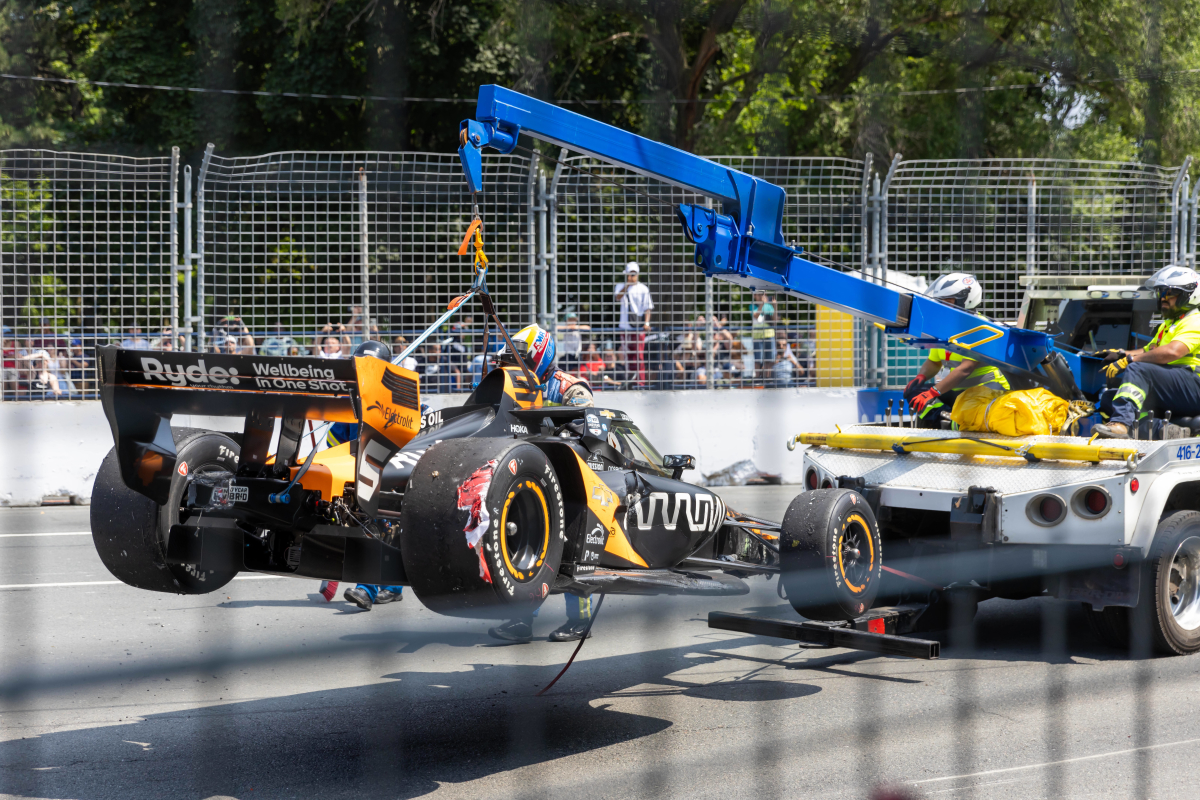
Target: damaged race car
[[483, 509]]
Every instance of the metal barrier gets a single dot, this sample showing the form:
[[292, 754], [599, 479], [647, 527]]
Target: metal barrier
[[308, 252]]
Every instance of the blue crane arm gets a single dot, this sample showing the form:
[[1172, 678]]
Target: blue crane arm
[[745, 245]]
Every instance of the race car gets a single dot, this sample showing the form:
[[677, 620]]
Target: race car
[[483, 509]]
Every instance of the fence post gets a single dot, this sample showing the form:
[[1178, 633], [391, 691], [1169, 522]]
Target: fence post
[[1185, 193], [199, 254], [709, 310], [883, 257], [362, 243], [1176, 233], [531, 236], [186, 205], [868, 228], [545, 303], [551, 201], [1193, 209], [174, 216], [1031, 228]]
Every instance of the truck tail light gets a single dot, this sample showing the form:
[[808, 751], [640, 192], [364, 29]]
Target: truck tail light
[[811, 479], [1133, 486], [1046, 510], [1091, 502]]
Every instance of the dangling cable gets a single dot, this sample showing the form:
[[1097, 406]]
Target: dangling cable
[[587, 632]]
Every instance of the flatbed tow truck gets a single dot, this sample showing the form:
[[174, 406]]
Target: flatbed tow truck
[[487, 509], [958, 516]]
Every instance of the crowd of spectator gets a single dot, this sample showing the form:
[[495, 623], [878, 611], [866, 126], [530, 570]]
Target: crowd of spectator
[[52, 364]]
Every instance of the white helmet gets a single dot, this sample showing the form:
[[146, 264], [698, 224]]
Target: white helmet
[[1176, 280], [958, 286]]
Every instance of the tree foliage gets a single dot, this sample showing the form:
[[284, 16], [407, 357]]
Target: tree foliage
[[1106, 79]]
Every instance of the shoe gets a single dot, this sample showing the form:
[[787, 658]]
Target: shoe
[[358, 597], [1113, 430], [571, 631], [517, 630], [385, 596]]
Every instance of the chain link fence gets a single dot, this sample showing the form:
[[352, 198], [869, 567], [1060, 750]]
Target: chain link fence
[[309, 252], [87, 247]]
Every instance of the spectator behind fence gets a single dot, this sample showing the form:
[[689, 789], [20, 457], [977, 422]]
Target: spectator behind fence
[[570, 342], [50, 340], [80, 367], [591, 367], [278, 343], [246, 346], [45, 372], [762, 331], [636, 304], [10, 374], [135, 340], [794, 357], [330, 348]]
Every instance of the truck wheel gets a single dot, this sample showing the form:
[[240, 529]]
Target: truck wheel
[[130, 530], [830, 554], [1173, 573], [481, 528]]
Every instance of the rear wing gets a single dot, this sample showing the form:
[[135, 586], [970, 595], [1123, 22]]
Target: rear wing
[[141, 390]]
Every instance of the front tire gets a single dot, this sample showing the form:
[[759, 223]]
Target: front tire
[[481, 529], [831, 556], [130, 530]]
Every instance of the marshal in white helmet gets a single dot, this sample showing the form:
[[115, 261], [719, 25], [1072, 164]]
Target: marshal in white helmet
[[957, 288], [1182, 283]]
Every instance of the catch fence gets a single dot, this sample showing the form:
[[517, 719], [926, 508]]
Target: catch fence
[[303, 252]]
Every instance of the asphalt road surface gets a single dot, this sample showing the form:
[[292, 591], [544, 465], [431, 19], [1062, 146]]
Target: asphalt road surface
[[263, 690]]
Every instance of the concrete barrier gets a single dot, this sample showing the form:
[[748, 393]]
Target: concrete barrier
[[55, 449]]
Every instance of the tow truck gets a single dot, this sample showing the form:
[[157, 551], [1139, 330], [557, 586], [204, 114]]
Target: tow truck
[[959, 516]]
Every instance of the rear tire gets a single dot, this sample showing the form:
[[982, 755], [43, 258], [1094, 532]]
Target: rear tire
[[518, 528], [831, 556], [130, 530]]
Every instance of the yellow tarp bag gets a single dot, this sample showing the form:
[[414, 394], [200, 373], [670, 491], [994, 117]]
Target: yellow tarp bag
[[1028, 412]]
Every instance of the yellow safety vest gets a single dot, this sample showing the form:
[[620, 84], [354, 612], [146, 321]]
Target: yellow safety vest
[[981, 376], [1185, 328]]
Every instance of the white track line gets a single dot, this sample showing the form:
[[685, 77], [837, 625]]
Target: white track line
[[57, 533], [117, 583], [1056, 763]]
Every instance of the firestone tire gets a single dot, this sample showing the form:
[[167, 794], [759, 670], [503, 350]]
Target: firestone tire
[[481, 528], [831, 556], [130, 530]]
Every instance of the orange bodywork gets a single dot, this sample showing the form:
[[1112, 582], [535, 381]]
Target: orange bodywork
[[390, 398], [331, 471]]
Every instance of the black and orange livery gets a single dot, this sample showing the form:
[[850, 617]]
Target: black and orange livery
[[484, 509]]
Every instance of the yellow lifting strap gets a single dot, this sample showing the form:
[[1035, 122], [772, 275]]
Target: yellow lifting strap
[[1011, 448], [481, 261]]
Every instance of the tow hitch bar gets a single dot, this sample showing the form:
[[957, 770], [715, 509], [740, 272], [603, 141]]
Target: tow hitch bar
[[828, 634]]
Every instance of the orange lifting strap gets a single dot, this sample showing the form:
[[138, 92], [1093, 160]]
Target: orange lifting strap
[[481, 260]]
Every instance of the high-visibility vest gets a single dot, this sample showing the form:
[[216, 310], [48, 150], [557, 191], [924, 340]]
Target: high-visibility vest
[[981, 376], [1170, 329]]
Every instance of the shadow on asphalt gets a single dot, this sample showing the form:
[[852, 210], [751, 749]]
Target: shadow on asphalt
[[398, 738], [413, 731]]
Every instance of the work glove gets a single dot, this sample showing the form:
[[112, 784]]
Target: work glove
[[1116, 367], [1110, 356], [926, 397], [914, 388]]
